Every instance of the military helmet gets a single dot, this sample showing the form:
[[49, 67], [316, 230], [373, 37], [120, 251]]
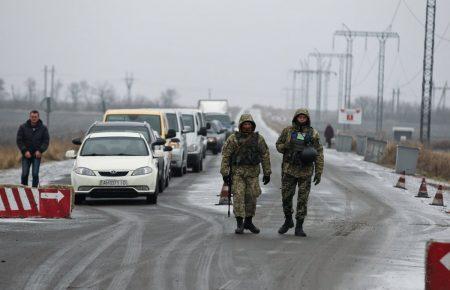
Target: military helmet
[[309, 155]]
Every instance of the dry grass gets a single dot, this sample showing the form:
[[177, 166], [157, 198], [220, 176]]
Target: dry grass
[[433, 164], [10, 155]]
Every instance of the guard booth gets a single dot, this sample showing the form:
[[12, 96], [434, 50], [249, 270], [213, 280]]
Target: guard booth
[[402, 133]]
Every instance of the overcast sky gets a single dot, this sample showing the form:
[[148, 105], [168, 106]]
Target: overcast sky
[[241, 49]]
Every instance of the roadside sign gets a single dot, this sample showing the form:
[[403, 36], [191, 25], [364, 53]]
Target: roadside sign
[[23, 202], [437, 275], [350, 116]]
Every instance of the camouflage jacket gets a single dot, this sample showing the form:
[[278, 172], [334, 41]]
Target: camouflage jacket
[[283, 142], [231, 146]]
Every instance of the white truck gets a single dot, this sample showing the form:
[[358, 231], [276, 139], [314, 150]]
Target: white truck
[[213, 106]]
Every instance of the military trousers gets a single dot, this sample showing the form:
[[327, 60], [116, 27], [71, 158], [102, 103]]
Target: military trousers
[[289, 183], [245, 192]]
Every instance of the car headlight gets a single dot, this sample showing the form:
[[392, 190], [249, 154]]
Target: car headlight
[[84, 171], [212, 139], [192, 148], [142, 171]]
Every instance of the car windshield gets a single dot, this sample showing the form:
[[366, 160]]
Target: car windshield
[[173, 123], [114, 146], [214, 128], [153, 120], [225, 119], [138, 129], [188, 120]]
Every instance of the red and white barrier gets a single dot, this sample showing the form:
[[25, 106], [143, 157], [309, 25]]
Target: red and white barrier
[[437, 266], [22, 202]]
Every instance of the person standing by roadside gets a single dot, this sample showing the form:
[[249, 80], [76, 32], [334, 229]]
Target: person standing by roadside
[[302, 155], [329, 134], [244, 153], [33, 140]]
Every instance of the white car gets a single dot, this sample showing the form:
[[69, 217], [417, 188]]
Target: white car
[[114, 164]]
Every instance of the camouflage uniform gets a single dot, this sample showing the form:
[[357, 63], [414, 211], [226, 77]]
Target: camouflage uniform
[[292, 174], [245, 184]]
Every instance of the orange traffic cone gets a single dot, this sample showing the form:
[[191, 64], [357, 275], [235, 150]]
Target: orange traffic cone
[[439, 197], [423, 192], [223, 199], [401, 183]]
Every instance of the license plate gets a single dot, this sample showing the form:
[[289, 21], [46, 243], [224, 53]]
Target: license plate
[[113, 182]]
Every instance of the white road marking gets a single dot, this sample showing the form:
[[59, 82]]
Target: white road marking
[[24, 198], [11, 199]]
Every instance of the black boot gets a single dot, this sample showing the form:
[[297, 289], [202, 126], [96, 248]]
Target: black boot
[[288, 224], [299, 228], [248, 225], [240, 226]]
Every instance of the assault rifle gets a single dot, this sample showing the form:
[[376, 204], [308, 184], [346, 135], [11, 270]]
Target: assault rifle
[[230, 180]]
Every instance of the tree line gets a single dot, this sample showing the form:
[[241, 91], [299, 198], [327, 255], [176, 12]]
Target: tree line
[[79, 95]]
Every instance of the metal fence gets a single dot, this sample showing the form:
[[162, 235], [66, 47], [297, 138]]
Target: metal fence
[[374, 150]]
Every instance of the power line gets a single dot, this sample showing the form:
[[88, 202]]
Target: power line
[[422, 24]]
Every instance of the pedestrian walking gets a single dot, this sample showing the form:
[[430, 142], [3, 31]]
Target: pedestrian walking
[[32, 140], [329, 134], [302, 155], [244, 152]]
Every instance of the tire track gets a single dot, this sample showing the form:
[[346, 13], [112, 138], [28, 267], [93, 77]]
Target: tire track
[[44, 274]]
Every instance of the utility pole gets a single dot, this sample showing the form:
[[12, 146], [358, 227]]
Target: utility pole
[[47, 99], [45, 82], [318, 73], [341, 57], [129, 83], [441, 104], [325, 88], [209, 94], [427, 78], [294, 81], [382, 38], [395, 99]]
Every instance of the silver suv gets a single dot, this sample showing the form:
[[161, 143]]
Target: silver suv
[[195, 136], [178, 143]]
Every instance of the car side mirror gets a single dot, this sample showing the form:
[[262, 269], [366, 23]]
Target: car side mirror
[[171, 133], [202, 131], [76, 141], [208, 126], [167, 148], [70, 154], [159, 141]]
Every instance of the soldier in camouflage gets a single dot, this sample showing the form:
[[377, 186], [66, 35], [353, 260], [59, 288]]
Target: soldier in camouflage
[[242, 154], [302, 155]]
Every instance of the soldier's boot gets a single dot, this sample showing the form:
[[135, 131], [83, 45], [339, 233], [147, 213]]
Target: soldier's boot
[[248, 224], [240, 226], [299, 228], [288, 224]]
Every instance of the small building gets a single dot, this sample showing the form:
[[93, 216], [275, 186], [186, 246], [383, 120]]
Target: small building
[[403, 133]]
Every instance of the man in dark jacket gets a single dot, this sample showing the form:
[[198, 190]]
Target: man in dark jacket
[[329, 134], [32, 140]]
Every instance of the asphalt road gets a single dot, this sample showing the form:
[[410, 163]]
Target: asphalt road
[[360, 236]]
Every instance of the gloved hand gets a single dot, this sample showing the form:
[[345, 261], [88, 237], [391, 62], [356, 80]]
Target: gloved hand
[[266, 179], [227, 179], [317, 178]]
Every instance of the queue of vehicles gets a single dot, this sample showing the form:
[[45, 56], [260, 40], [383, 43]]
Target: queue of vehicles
[[135, 152]]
